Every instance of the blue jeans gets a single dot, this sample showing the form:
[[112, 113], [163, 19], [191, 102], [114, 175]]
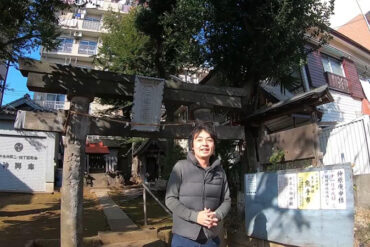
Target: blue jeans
[[180, 241]]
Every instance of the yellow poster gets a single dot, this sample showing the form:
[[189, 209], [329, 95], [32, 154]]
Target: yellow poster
[[309, 190]]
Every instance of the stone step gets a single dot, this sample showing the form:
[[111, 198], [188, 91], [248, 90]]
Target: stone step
[[137, 243], [119, 237], [165, 234]]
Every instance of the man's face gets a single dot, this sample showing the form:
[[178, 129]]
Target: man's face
[[203, 145]]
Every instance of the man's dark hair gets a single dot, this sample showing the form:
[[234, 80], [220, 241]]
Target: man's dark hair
[[207, 127]]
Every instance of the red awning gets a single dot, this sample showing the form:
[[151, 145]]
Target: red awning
[[96, 148], [365, 107]]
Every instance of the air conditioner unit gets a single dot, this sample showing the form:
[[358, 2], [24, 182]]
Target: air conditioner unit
[[77, 34]]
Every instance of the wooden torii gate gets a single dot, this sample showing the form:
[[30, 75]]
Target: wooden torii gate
[[81, 86]]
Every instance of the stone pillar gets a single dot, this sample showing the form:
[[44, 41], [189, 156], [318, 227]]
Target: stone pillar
[[71, 226]]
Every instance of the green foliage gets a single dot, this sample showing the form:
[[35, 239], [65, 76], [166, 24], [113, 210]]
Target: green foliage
[[253, 40], [25, 24], [285, 165], [125, 49], [157, 40], [180, 47], [225, 150], [246, 40], [169, 160], [277, 156]]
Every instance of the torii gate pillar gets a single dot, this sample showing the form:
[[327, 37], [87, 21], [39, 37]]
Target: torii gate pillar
[[72, 187]]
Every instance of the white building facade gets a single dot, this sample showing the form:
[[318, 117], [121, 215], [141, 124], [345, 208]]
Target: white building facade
[[28, 159], [81, 28]]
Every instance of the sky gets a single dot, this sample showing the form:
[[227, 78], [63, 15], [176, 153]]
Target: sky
[[344, 11], [16, 83]]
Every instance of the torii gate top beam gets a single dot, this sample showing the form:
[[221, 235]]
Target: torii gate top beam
[[60, 79]]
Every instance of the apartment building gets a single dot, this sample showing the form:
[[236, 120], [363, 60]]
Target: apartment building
[[343, 65], [81, 27]]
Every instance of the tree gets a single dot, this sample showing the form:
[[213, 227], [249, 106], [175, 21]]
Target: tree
[[246, 41], [152, 39], [253, 40], [173, 27], [27, 24], [125, 49]]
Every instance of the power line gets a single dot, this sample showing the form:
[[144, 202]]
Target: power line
[[367, 23]]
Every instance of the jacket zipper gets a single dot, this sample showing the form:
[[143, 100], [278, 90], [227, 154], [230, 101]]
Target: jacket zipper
[[204, 196], [204, 188]]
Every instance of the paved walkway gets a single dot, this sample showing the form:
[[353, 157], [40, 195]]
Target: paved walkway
[[118, 221]]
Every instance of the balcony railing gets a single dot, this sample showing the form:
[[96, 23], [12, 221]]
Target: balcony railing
[[337, 82], [57, 105], [87, 49], [91, 25]]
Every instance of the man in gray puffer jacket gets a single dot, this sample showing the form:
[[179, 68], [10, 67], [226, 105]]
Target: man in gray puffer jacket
[[198, 193]]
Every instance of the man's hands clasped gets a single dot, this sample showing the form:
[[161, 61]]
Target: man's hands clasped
[[207, 218]]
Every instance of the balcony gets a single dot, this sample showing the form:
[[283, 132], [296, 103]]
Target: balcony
[[91, 25], [57, 105], [337, 82]]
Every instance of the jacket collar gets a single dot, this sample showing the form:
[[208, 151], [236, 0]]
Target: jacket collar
[[213, 161]]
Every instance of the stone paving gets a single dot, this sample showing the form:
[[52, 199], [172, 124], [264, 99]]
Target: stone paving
[[117, 219]]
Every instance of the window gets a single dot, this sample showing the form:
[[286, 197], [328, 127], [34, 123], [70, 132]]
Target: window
[[332, 65], [90, 18], [83, 66], [55, 97], [65, 45], [61, 97], [87, 47], [36, 96], [51, 97]]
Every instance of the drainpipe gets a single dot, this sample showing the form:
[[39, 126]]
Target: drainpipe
[[305, 79]]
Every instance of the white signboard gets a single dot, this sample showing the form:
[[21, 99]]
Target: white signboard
[[22, 165], [287, 189], [311, 190], [333, 193], [148, 97], [251, 184]]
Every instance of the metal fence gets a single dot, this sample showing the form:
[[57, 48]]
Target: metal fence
[[348, 142]]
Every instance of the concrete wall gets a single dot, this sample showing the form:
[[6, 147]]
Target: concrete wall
[[362, 190], [31, 168]]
